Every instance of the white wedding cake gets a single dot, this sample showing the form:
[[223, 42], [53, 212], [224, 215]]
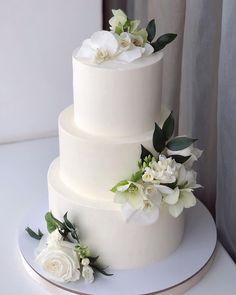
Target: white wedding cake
[[117, 82]]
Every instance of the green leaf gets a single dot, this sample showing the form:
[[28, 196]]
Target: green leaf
[[162, 41], [53, 223], [145, 153], [67, 223], [171, 185], [101, 270], [93, 259], [179, 143], [158, 139], [151, 30], [122, 182], [180, 159], [168, 127], [137, 176], [33, 234]]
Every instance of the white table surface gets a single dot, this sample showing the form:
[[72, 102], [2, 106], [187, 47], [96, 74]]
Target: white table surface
[[23, 170]]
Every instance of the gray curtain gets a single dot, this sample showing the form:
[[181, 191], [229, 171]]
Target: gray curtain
[[199, 84]]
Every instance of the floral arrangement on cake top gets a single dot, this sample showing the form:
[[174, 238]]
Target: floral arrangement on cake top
[[62, 255], [124, 42], [164, 180]]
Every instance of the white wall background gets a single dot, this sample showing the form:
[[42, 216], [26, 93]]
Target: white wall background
[[36, 42]]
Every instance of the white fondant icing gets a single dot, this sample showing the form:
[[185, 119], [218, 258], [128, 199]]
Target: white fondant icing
[[92, 165], [117, 99], [120, 245]]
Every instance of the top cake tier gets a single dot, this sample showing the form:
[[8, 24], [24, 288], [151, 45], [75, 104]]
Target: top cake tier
[[117, 99]]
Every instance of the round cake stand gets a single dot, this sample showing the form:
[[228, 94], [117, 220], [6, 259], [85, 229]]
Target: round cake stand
[[173, 275]]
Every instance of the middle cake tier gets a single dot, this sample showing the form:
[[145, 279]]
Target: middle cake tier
[[91, 165]]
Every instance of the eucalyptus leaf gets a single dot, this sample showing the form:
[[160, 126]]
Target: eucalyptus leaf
[[180, 159], [162, 41], [168, 127], [101, 270], [151, 30], [158, 139], [120, 183], [145, 153], [53, 223], [137, 176], [67, 223], [33, 234], [179, 143]]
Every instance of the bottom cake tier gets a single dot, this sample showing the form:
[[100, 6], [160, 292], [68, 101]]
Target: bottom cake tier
[[119, 244]]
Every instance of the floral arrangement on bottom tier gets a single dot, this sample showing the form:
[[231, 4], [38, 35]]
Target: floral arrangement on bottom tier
[[165, 179], [61, 254]]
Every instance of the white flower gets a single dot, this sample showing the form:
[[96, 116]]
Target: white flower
[[148, 175], [186, 200], [131, 193], [60, 262], [194, 154], [125, 41], [54, 238], [87, 274], [118, 20], [85, 261], [148, 210], [177, 199], [165, 169], [102, 46], [187, 178]]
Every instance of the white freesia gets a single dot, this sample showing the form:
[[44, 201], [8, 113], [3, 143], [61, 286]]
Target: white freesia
[[88, 274], [118, 20], [85, 261], [148, 175], [165, 169], [194, 154], [102, 46], [60, 262]]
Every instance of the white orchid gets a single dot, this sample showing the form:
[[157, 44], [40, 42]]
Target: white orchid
[[102, 45]]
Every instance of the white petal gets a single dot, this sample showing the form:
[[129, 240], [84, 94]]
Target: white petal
[[127, 211], [123, 188], [172, 198], [177, 209], [163, 189], [130, 55], [148, 49], [105, 40], [140, 216], [188, 199], [86, 50], [155, 198], [135, 200], [181, 175], [120, 198]]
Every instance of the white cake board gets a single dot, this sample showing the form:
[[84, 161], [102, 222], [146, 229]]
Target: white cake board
[[173, 275]]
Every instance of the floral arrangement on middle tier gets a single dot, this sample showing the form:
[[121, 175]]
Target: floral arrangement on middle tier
[[165, 179]]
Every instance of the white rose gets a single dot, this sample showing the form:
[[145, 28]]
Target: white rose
[[87, 274], [60, 262]]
